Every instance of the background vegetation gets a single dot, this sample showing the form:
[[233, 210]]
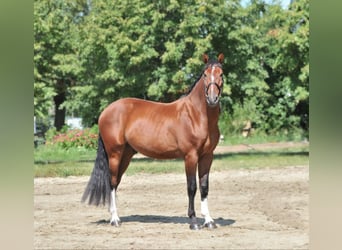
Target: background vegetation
[[90, 53]]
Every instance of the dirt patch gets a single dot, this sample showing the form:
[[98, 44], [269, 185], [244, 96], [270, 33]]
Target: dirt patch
[[254, 209]]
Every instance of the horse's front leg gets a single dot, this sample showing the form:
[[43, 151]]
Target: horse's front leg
[[204, 165], [191, 161]]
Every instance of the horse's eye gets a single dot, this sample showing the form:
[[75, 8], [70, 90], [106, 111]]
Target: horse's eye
[[205, 75]]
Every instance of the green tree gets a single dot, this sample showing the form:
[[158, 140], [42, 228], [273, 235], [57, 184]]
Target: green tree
[[145, 49], [269, 69], [287, 62], [56, 64], [87, 56], [247, 96]]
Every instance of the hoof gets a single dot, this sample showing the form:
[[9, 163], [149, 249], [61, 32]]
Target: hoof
[[210, 225], [195, 226], [115, 223]]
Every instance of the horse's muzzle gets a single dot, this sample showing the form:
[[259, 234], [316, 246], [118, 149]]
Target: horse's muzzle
[[212, 101], [211, 95]]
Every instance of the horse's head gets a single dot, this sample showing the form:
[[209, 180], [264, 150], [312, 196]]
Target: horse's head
[[213, 79]]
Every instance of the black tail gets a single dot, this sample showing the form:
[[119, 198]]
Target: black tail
[[98, 189]]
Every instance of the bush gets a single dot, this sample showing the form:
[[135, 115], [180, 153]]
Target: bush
[[74, 138], [264, 126]]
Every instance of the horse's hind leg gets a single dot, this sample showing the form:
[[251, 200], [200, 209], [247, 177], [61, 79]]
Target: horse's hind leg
[[118, 164], [114, 161], [125, 160]]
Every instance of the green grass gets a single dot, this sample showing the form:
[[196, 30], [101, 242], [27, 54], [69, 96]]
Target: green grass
[[260, 138], [77, 163], [52, 161], [52, 154], [64, 169], [253, 160]]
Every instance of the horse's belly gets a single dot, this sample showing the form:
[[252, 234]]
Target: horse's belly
[[170, 154], [154, 146], [154, 151]]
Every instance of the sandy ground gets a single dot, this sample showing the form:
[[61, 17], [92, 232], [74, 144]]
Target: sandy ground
[[253, 209]]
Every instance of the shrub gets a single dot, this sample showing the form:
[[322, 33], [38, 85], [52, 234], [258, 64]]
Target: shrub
[[74, 138]]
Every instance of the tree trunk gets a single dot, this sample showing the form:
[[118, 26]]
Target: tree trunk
[[59, 113]]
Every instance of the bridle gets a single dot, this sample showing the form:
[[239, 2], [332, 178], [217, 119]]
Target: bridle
[[207, 87]]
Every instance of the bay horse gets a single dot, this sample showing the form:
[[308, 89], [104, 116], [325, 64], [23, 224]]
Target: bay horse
[[186, 128]]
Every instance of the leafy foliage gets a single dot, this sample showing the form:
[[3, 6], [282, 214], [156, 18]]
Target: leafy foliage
[[99, 51]]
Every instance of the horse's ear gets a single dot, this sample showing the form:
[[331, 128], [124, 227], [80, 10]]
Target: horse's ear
[[205, 58], [220, 58]]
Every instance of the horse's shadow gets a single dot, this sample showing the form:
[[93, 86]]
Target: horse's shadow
[[166, 219]]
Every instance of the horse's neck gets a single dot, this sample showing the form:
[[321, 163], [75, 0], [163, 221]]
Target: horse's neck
[[198, 100]]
